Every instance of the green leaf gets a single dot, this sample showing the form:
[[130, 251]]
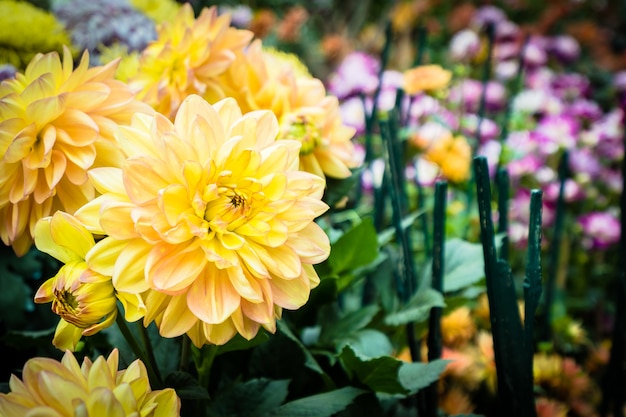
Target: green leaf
[[309, 360], [256, 397], [368, 343], [186, 386], [379, 374], [463, 265], [417, 309], [415, 376], [351, 322], [356, 248], [320, 405]]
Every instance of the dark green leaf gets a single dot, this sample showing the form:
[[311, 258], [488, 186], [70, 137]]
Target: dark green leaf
[[356, 248], [320, 405], [186, 386], [415, 376], [256, 397], [351, 322], [379, 374], [463, 265], [417, 309], [368, 343]]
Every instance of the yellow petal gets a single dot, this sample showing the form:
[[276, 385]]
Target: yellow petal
[[177, 270], [66, 336], [212, 297], [177, 319], [128, 273]]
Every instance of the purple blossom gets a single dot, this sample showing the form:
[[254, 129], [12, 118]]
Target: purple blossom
[[469, 91], [585, 162], [506, 70], [555, 132], [564, 48], [488, 128], [600, 230], [506, 31], [488, 14], [570, 86], [352, 113], [464, 45], [520, 216], [535, 54], [585, 110], [241, 15], [490, 149], [357, 74], [96, 23], [7, 71], [572, 191]]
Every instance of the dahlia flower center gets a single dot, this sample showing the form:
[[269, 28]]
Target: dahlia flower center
[[227, 211], [303, 129]]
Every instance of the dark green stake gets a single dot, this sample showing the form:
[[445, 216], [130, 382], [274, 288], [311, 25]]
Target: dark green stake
[[434, 324], [555, 252], [502, 183], [510, 348]]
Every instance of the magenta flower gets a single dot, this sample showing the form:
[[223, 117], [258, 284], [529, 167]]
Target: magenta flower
[[357, 74], [600, 230], [468, 93], [564, 48], [572, 191]]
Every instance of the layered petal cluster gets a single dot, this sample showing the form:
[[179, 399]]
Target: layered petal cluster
[[260, 79], [67, 389], [210, 220], [425, 78], [186, 58], [84, 299], [56, 122]]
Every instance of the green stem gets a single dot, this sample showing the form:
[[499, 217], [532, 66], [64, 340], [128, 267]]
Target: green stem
[[185, 352], [203, 359], [153, 374], [147, 345]]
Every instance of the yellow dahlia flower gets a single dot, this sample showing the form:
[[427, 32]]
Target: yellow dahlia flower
[[55, 124], [265, 80], [186, 58], [85, 300], [458, 327], [211, 220], [66, 389]]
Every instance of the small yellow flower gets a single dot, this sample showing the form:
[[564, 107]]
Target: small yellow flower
[[453, 155], [547, 369], [85, 300], [67, 389], [56, 123], [210, 221], [186, 58], [157, 10], [425, 78], [458, 327]]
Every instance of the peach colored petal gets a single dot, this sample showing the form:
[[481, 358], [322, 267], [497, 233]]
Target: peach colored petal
[[212, 297], [172, 268]]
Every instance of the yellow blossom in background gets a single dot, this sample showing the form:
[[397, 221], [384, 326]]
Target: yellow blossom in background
[[210, 220], [158, 10], [67, 389], [547, 369], [455, 401], [128, 61], [56, 123], [458, 327], [26, 30], [425, 78], [186, 58], [261, 80], [85, 300], [453, 155]]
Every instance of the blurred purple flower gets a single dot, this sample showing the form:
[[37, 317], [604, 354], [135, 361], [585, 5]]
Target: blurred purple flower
[[97, 23], [564, 48], [464, 45], [600, 230], [241, 15], [506, 70], [610, 132], [520, 216], [506, 31], [584, 161], [7, 71], [469, 91], [490, 149], [488, 14], [572, 191], [488, 128], [352, 113], [535, 54], [555, 132], [570, 86], [357, 74], [584, 110]]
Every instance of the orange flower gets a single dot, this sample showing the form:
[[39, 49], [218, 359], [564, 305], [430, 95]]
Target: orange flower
[[458, 327], [186, 58], [453, 155], [55, 124], [425, 78], [210, 221]]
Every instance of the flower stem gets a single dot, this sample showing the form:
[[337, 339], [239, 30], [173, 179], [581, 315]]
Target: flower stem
[[203, 359], [145, 340], [153, 374]]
